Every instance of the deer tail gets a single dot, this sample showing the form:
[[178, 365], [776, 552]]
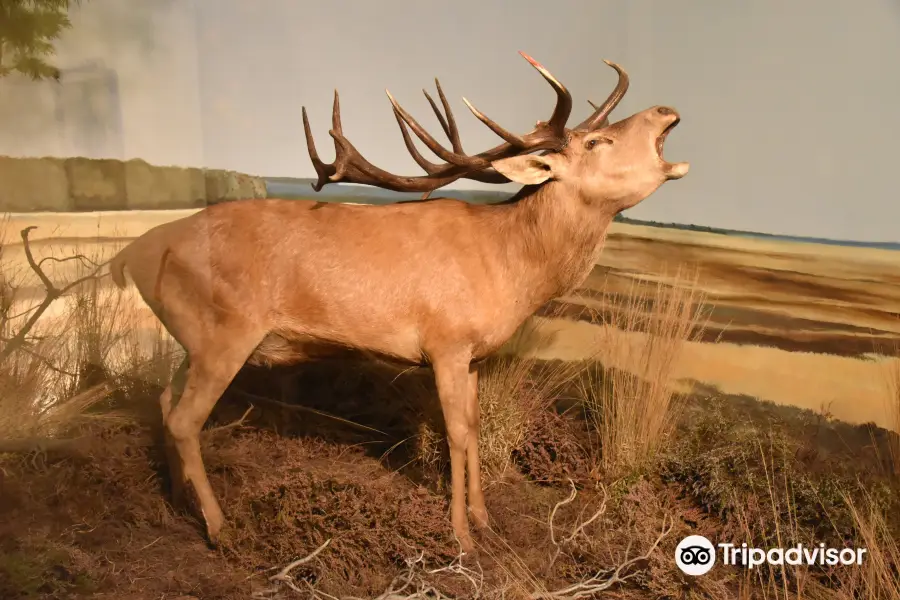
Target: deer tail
[[117, 269]]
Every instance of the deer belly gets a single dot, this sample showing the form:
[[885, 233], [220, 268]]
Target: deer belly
[[281, 348]]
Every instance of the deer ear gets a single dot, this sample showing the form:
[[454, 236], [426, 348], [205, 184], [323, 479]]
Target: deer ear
[[527, 169]]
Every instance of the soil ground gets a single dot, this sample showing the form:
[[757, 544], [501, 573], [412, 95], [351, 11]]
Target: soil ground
[[92, 520]]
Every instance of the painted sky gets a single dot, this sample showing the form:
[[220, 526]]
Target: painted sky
[[790, 110], [790, 113]]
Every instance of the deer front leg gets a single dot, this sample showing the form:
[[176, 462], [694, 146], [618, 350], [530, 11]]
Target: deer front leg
[[473, 417], [453, 382]]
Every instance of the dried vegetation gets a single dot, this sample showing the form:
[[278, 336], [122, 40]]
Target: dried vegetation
[[592, 475]]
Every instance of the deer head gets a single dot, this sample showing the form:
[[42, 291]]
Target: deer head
[[603, 165], [614, 167]]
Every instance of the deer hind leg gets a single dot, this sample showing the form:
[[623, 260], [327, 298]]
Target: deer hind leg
[[473, 417], [207, 377], [173, 392], [452, 379]]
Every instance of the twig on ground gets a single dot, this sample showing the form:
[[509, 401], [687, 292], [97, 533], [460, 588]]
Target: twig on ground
[[476, 579], [579, 525], [300, 408], [284, 575], [411, 584], [606, 579], [414, 583], [233, 424]]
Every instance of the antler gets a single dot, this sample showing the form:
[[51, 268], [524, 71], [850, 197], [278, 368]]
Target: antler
[[600, 118], [351, 167]]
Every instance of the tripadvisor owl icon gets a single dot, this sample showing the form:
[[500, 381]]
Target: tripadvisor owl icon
[[695, 555]]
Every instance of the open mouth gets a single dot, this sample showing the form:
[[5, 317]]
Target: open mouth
[[671, 170], [661, 140]]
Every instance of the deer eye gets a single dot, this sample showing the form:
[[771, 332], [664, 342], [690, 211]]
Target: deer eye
[[591, 144]]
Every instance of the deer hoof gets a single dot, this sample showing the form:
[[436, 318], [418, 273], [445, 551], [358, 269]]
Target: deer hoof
[[466, 544], [214, 522]]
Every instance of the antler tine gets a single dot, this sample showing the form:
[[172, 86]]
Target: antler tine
[[428, 166], [439, 115], [605, 121], [511, 138], [449, 124], [488, 175], [453, 158], [556, 124], [600, 117], [323, 171], [558, 119], [336, 114], [563, 108]]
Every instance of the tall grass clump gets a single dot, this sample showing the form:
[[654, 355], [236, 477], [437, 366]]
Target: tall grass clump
[[879, 577], [891, 387], [513, 389], [627, 388], [67, 339], [26, 367]]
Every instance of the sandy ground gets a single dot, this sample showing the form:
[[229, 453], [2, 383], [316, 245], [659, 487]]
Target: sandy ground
[[789, 322]]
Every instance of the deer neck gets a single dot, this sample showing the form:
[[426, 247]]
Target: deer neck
[[551, 240]]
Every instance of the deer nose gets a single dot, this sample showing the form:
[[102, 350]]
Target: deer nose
[[666, 111]]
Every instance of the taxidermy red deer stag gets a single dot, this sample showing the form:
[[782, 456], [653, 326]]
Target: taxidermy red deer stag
[[436, 282]]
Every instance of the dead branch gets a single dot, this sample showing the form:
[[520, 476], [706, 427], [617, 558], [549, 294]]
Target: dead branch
[[607, 578], [579, 525], [51, 294], [415, 581], [283, 577], [306, 409], [233, 424], [79, 257], [411, 584], [44, 360]]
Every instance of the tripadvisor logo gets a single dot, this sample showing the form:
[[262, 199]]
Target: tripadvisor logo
[[696, 555]]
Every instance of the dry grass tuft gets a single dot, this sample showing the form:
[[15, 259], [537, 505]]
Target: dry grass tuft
[[891, 383], [513, 392], [634, 410], [878, 578]]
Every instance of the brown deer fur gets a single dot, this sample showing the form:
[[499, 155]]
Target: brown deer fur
[[437, 282]]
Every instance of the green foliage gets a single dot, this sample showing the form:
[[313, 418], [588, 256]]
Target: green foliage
[[28, 29]]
